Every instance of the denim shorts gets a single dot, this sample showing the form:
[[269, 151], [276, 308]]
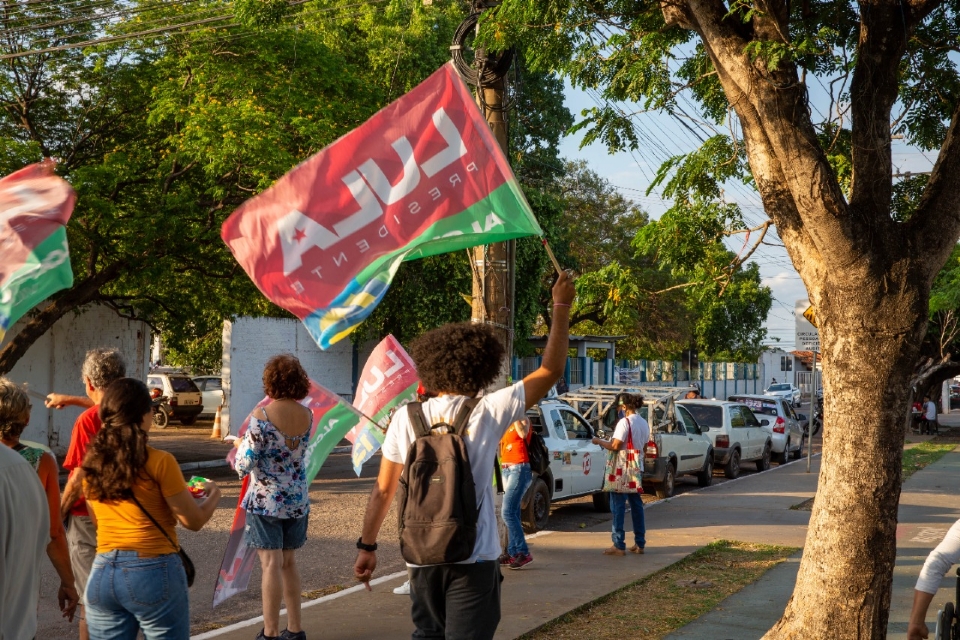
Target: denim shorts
[[267, 532]]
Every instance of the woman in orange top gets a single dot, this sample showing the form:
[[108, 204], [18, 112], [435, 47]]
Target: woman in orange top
[[515, 463], [137, 580]]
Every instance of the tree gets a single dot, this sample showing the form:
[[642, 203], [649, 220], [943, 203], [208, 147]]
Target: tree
[[828, 188]]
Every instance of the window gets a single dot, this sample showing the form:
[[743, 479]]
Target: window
[[575, 428], [749, 418], [707, 415], [559, 429], [689, 422], [183, 385], [213, 384], [786, 363], [154, 382], [536, 421], [736, 418]]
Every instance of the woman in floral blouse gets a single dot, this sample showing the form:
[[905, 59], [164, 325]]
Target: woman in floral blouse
[[274, 451]]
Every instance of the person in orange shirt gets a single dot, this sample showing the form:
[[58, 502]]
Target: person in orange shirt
[[137, 495], [515, 464]]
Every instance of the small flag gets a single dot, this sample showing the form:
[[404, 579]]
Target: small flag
[[389, 381], [35, 206], [332, 419], [423, 176]]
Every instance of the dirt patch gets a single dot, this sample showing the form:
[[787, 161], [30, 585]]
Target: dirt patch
[[670, 598], [319, 593], [806, 505]]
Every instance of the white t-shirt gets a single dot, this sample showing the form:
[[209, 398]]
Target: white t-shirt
[[930, 410], [640, 431], [24, 534], [940, 560], [489, 421]]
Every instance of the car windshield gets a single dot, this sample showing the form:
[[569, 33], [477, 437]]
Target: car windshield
[[766, 407], [706, 415], [779, 387], [183, 385]]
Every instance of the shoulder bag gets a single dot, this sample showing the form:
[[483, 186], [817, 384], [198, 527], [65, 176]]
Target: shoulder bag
[[188, 567], [622, 473]]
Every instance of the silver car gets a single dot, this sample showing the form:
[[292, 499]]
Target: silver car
[[790, 392]]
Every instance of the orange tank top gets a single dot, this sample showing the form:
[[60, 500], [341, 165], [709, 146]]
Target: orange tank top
[[513, 448]]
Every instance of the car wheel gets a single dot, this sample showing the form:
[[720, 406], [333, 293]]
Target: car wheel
[[817, 425], [764, 462], [160, 419], [945, 623], [601, 502], [666, 488], [188, 421], [784, 455], [799, 452], [732, 470], [537, 513], [705, 477]]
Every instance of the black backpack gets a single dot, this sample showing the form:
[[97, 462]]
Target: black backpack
[[438, 509], [538, 454]]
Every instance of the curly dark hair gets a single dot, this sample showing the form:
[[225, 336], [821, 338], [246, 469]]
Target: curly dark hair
[[461, 358], [118, 453], [631, 401], [284, 377]]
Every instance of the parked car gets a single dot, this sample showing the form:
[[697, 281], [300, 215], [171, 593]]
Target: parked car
[[784, 390], [787, 427], [183, 401], [211, 392], [737, 435]]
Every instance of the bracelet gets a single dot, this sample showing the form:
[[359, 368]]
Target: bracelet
[[561, 304]]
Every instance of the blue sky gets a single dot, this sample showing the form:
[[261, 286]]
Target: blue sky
[[663, 136]]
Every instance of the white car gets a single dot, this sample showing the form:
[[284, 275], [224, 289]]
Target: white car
[[786, 426], [784, 390], [182, 395], [211, 390], [736, 433]]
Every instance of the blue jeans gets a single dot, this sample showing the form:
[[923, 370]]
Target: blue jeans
[[126, 593], [516, 481], [618, 505]]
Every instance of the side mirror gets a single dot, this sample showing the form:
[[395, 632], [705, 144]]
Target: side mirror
[[764, 423], [704, 429]]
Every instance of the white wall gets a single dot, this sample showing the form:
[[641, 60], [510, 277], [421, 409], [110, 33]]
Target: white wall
[[53, 364], [770, 367], [249, 342]]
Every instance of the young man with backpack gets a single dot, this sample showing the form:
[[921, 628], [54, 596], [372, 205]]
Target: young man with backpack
[[443, 453]]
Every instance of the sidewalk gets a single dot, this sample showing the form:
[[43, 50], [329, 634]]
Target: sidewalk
[[928, 507], [570, 569]]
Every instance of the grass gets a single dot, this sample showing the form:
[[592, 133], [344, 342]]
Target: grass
[[662, 602], [916, 458]]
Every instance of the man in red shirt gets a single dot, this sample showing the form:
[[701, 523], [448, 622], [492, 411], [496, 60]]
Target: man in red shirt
[[100, 368]]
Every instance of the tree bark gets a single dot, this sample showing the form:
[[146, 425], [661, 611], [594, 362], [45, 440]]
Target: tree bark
[[79, 295]]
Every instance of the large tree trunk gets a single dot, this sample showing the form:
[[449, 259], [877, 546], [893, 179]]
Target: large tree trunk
[[869, 354]]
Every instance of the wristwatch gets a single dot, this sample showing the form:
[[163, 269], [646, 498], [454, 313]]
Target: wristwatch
[[365, 547]]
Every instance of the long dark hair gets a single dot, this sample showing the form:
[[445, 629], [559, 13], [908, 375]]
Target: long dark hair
[[118, 453]]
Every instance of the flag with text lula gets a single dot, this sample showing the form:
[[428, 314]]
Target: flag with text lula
[[35, 205], [333, 418], [388, 382], [423, 176]]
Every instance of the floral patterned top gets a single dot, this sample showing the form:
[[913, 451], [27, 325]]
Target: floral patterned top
[[278, 486]]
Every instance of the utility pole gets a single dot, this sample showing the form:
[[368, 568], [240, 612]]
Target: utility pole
[[494, 264]]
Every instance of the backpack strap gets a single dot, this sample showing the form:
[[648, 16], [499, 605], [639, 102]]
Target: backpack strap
[[460, 424], [499, 477], [419, 421]]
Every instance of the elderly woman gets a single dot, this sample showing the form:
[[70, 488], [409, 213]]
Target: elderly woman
[[274, 450], [14, 416]]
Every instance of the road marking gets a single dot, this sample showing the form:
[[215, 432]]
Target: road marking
[[929, 534]]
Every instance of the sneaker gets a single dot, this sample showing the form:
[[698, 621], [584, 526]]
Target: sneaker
[[403, 590], [636, 549], [263, 636], [505, 558], [614, 551], [290, 635], [521, 560]]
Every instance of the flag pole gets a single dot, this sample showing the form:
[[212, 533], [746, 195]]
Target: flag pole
[[553, 258]]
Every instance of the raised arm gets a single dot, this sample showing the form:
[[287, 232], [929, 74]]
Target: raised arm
[[60, 401], [537, 384]]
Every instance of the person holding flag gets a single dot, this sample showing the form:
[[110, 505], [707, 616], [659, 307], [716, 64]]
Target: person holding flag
[[458, 361]]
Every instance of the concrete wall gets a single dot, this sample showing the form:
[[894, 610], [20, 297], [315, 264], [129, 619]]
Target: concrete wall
[[771, 367], [249, 342], [53, 364]]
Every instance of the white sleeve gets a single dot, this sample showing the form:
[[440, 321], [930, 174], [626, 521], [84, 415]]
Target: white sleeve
[[620, 431], [940, 560], [397, 442], [505, 406], [644, 433]]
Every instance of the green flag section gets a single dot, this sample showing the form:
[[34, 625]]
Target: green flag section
[[423, 176], [35, 206]]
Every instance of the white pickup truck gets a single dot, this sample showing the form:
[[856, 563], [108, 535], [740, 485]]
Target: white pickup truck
[[677, 446]]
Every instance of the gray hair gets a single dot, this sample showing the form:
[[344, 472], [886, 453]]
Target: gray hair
[[103, 366], [14, 409]]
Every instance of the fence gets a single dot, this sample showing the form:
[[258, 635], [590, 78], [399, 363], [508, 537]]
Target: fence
[[715, 379]]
